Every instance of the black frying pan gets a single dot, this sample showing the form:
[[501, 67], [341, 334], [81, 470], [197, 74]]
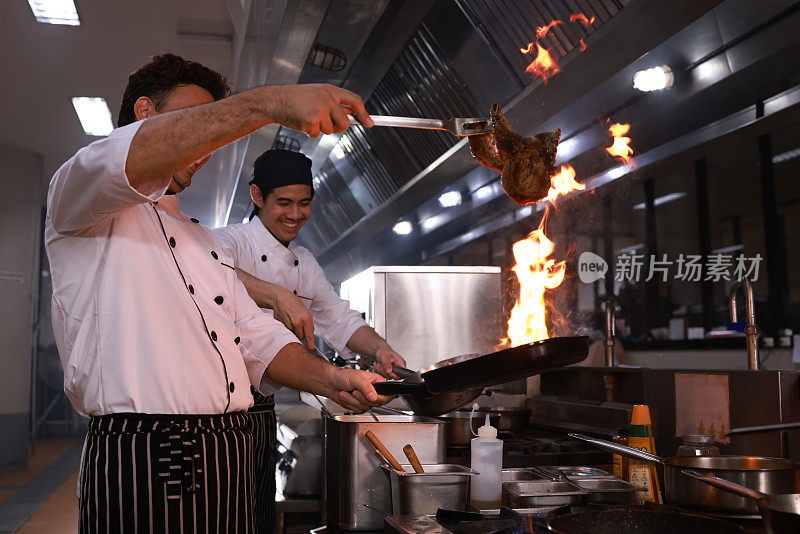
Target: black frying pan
[[477, 372]]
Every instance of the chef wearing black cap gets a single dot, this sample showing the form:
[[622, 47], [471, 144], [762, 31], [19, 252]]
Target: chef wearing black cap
[[286, 278]]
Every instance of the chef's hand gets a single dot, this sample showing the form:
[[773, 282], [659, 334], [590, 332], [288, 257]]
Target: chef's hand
[[384, 358], [356, 392], [290, 310], [315, 108]]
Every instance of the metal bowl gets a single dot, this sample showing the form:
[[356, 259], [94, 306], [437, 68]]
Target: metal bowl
[[458, 432]]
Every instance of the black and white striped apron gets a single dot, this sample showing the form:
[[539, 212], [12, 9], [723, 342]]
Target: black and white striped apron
[[262, 416], [167, 473]]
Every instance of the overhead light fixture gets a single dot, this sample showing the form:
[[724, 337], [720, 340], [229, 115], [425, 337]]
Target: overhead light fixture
[[725, 250], [55, 12], [94, 115], [567, 148], [403, 228], [450, 199], [655, 79], [661, 200], [786, 156]]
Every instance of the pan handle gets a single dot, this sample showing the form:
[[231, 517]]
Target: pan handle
[[402, 371], [726, 485], [630, 452], [396, 387]]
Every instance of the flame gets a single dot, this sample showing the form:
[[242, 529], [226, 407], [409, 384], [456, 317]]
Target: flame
[[544, 65], [541, 31], [621, 147], [563, 183], [537, 271], [582, 18], [583, 45]]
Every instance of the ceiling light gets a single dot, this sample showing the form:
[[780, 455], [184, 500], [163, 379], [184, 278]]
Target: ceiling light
[[403, 228], [94, 115], [567, 148], [55, 12], [450, 199], [786, 156], [629, 250], [725, 250], [655, 79], [661, 200]]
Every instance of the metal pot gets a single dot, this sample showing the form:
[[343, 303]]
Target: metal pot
[[781, 513], [511, 419], [767, 475], [458, 431]]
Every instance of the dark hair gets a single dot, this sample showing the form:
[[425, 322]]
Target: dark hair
[[264, 194], [157, 78]]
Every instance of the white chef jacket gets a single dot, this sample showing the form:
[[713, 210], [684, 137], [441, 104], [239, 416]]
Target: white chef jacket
[[148, 315], [255, 250]]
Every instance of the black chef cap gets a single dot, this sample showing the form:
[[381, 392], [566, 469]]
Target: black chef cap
[[277, 168]]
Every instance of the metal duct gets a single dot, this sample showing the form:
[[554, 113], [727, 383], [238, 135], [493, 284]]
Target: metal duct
[[508, 25], [420, 83]]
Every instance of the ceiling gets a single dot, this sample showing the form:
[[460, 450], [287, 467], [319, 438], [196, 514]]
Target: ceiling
[[44, 65], [405, 57]]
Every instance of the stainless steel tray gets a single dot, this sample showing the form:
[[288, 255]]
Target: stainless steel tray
[[578, 471], [543, 493]]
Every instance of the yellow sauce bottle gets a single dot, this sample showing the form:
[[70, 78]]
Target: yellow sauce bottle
[[643, 474]]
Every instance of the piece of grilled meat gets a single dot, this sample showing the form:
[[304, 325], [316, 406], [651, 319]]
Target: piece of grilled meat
[[525, 163]]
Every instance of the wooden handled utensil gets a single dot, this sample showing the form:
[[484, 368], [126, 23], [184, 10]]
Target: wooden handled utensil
[[412, 457], [382, 450]]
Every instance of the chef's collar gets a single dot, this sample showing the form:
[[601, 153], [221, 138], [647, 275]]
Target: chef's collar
[[271, 241]]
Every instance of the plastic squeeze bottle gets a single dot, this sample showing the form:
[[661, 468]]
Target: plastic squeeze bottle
[[487, 459]]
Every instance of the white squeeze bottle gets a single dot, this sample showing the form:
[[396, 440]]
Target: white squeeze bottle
[[487, 459]]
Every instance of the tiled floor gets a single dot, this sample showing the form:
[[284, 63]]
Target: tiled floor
[[59, 513], [51, 511]]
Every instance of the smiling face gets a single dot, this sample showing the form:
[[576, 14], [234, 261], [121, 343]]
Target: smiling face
[[284, 210], [183, 96]]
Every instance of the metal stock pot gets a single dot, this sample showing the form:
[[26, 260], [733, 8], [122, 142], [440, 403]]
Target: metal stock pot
[[766, 475]]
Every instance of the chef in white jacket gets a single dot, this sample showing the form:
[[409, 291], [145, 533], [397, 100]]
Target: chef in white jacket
[[286, 278]]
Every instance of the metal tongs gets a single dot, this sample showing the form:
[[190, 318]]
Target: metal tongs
[[458, 126]]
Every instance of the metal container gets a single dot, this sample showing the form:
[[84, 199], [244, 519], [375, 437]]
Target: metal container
[[511, 418], [458, 432], [578, 471], [543, 493], [607, 490], [356, 490], [511, 476], [440, 486], [518, 474], [767, 475]]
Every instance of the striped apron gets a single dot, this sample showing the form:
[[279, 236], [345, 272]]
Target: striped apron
[[262, 418], [167, 473]]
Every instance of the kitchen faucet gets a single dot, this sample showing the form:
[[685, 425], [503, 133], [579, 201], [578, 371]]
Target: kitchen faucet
[[752, 330]]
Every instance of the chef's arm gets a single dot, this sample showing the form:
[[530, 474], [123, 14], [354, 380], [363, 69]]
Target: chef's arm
[[297, 368], [366, 342], [169, 142], [285, 306]]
